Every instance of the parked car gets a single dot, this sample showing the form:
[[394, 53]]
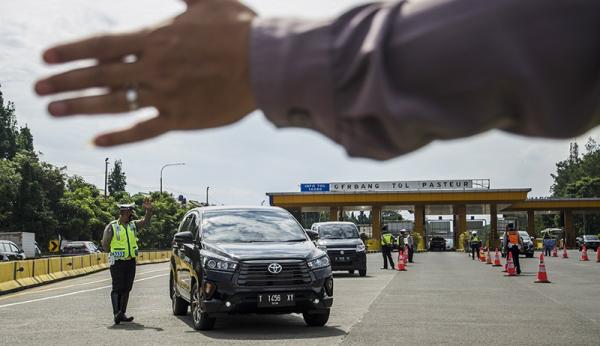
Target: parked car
[[437, 243], [229, 260], [591, 242], [9, 251], [528, 245], [80, 248], [344, 247]]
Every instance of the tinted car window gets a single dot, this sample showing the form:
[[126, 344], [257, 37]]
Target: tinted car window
[[13, 248], [239, 226], [337, 231]]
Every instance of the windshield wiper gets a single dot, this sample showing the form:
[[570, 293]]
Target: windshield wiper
[[295, 240]]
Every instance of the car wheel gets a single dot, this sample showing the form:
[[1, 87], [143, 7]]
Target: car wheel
[[179, 305], [351, 271], [316, 320], [201, 319], [362, 272]]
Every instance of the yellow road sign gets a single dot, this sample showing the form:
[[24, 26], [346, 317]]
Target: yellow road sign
[[53, 246]]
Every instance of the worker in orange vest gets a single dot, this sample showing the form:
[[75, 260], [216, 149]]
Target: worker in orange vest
[[513, 244]]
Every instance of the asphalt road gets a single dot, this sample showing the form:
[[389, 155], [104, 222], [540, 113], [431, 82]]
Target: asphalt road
[[443, 298]]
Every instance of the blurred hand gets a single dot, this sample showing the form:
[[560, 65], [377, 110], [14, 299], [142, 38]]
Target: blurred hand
[[194, 70], [148, 204]]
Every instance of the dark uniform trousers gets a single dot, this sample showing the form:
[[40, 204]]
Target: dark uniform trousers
[[123, 274], [386, 251]]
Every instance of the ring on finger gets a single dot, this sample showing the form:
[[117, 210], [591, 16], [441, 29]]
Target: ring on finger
[[132, 97]]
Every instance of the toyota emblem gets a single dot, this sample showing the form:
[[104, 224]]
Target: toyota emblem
[[274, 268], [342, 252]]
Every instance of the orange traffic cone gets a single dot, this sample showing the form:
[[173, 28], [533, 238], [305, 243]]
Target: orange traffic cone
[[481, 255], [555, 252], [542, 277], [565, 254], [497, 259], [584, 255], [400, 266], [598, 254], [405, 256], [510, 266], [489, 257]]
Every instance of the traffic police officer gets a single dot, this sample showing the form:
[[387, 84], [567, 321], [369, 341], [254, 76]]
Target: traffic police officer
[[120, 236], [513, 243], [475, 243], [386, 247]]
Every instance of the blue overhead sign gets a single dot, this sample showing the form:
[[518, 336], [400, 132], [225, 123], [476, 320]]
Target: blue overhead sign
[[318, 187]]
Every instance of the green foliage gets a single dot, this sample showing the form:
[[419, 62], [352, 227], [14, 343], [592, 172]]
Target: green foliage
[[8, 129], [577, 177], [116, 179]]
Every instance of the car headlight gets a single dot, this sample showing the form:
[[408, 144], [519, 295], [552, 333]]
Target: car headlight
[[318, 263], [219, 264], [360, 248]]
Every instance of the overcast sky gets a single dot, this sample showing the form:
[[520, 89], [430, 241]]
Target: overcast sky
[[241, 162]]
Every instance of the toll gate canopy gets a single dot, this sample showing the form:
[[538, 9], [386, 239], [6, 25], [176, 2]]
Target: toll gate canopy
[[456, 197]]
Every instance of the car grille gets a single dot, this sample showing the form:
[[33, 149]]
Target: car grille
[[338, 252], [255, 273]]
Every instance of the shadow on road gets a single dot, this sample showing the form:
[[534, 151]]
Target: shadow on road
[[264, 327], [348, 275], [133, 326]]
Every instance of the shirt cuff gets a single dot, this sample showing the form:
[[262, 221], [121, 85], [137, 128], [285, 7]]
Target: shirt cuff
[[291, 73]]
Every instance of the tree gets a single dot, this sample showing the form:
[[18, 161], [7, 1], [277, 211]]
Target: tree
[[8, 129], [116, 179], [578, 177], [25, 139]]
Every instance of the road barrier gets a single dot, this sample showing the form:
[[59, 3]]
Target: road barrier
[[18, 275]]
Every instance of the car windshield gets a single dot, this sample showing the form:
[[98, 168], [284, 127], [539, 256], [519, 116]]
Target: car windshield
[[338, 231], [247, 226], [524, 235], [590, 237]]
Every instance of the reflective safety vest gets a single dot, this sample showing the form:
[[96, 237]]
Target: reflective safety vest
[[513, 237], [475, 240], [386, 239], [124, 241]]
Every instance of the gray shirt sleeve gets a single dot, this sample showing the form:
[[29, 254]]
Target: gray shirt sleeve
[[385, 79]]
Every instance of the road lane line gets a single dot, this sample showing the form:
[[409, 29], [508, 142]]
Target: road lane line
[[73, 293], [68, 286]]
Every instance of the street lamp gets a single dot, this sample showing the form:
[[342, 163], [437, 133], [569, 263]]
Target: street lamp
[[105, 175], [208, 187], [167, 165]]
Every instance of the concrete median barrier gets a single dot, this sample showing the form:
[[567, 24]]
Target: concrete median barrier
[[18, 275]]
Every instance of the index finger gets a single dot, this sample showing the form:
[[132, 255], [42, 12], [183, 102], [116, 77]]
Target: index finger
[[99, 47]]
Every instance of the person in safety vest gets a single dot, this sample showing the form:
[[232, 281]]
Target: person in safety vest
[[121, 241], [387, 240], [513, 244], [475, 243]]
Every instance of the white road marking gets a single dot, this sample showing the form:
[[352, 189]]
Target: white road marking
[[69, 286], [73, 293]]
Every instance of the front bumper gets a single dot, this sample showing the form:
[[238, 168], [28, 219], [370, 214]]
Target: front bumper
[[244, 299], [355, 261]]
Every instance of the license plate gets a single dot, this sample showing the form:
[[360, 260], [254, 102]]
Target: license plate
[[342, 259], [276, 299]]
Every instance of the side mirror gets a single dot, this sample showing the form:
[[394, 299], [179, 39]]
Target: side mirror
[[21, 251], [313, 235], [184, 237]]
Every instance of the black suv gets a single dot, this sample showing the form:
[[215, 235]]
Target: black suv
[[343, 245], [229, 260]]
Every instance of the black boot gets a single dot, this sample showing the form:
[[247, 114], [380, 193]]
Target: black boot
[[124, 301], [114, 298]]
